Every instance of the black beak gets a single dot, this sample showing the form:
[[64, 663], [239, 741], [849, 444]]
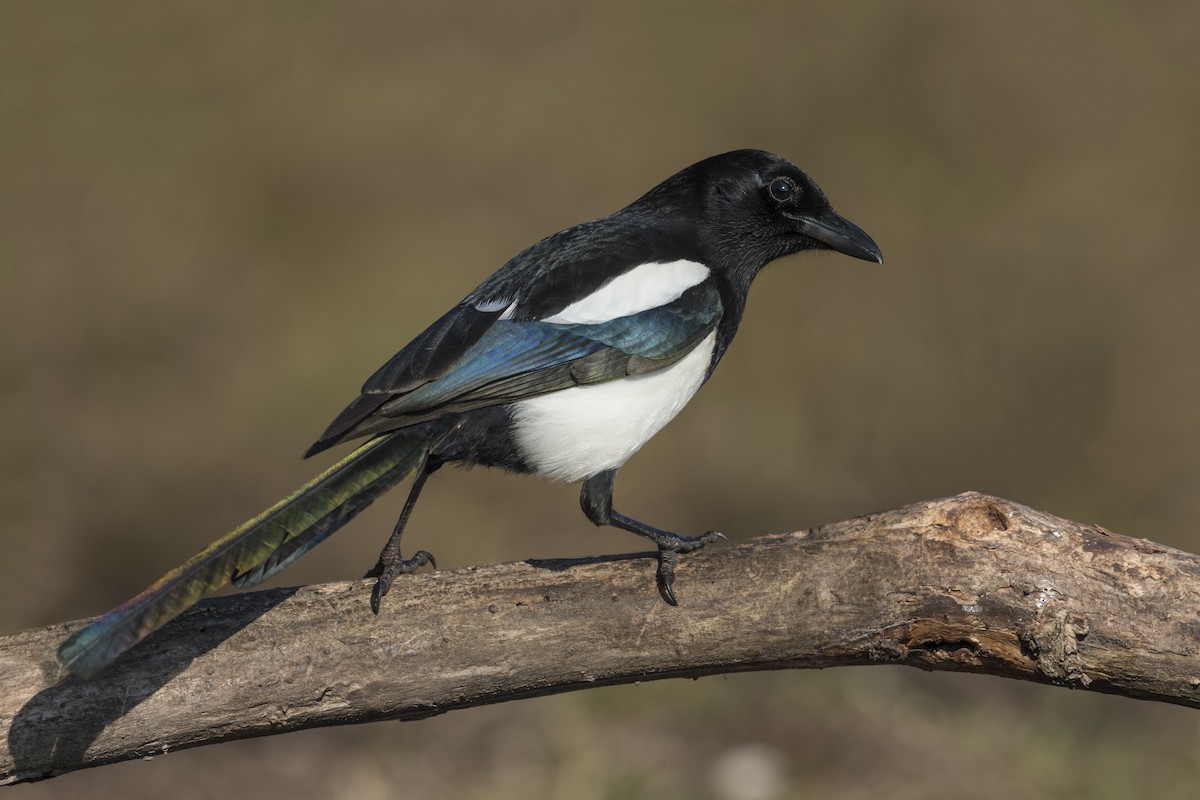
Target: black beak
[[840, 234]]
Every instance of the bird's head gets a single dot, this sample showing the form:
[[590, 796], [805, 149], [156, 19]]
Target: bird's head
[[755, 207]]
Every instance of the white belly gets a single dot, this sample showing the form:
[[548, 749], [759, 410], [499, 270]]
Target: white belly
[[575, 433]]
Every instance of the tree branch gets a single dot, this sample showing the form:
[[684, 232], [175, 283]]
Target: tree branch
[[969, 583]]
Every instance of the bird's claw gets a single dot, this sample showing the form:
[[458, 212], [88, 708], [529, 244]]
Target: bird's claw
[[387, 573], [665, 577], [668, 557]]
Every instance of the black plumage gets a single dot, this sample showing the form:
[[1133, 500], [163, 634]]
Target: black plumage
[[563, 363]]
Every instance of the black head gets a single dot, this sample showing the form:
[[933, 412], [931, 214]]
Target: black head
[[755, 207]]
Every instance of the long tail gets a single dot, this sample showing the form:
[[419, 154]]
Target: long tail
[[253, 551]]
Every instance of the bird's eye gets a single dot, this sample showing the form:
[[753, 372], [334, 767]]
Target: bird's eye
[[782, 189]]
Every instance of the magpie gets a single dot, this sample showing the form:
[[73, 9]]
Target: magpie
[[562, 363]]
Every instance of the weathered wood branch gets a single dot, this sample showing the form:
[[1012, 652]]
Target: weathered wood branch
[[969, 583]]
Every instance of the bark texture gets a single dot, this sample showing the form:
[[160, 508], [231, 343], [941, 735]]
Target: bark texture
[[969, 583]]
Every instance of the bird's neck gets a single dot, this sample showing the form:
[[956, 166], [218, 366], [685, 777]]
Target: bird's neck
[[734, 288]]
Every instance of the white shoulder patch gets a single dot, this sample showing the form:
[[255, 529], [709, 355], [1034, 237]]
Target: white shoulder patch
[[640, 289]]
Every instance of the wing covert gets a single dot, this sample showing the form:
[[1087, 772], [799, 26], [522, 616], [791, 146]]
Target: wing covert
[[443, 371]]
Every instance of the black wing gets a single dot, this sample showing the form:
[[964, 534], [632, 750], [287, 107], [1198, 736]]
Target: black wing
[[472, 359]]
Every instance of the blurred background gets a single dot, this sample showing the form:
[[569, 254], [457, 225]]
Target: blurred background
[[216, 219]]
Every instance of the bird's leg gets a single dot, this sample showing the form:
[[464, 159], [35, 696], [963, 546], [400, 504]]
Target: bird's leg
[[670, 545], [596, 500], [391, 563]]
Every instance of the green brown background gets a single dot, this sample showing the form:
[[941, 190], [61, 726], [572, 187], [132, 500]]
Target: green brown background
[[217, 218]]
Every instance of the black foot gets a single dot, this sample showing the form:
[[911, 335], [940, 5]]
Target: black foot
[[668, 554], [386, 573]]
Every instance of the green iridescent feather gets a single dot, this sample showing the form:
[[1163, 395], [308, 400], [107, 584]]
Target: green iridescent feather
[[253, 551]]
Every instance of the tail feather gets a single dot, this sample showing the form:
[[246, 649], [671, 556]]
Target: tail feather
[[254, 550], [372, 486]]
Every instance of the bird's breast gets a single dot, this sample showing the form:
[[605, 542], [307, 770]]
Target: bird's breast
[[574, 433]]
